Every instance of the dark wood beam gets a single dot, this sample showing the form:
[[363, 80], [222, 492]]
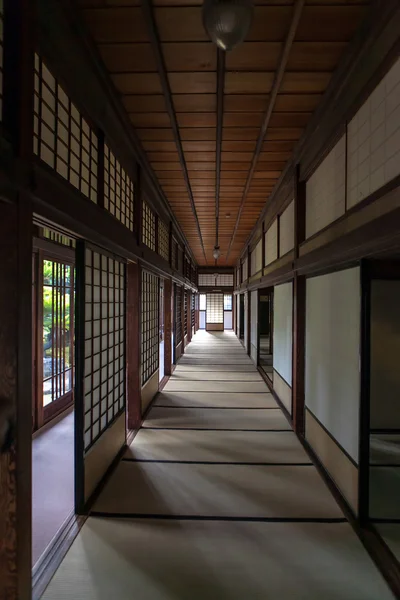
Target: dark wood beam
[[147, 9], [279, 74], [220, 117]]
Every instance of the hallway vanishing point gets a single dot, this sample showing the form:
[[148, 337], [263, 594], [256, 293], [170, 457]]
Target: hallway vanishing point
[[216, 499]]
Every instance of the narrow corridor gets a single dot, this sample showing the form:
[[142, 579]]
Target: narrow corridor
[[216, 498]]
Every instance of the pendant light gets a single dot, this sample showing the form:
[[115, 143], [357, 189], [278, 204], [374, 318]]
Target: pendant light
[[227, 22]]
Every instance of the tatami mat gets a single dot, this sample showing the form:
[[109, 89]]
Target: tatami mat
[[218, 418], [175, 560], [226, 512], [246, 368], [254, 387], [217, 491], [215, 400], [217, 376], [217, 446], [220, 360]]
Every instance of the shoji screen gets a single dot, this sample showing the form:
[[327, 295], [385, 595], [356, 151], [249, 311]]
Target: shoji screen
[[100, 370], [245, 269], [325, 190], [148, 227], [332, 374], [373, 140], [286, 230], [283, 340], [256, 259], [118, 190], [178, 315], [150, 330], [254, 326], [163, 240], [185, 309], [104, 342], [271, 243], [215, 312], [62, 137]]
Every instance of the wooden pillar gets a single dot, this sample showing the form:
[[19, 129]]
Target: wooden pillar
[[189, 316], [133, 357], [299, 309], [16, 312], [167, 326], [16, 399], [182, 292], [197, 313]]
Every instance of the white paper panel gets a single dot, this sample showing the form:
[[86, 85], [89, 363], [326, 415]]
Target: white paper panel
[[373, 152], [332, 374], [286, 230], [283, 307], [325, 190], [271, 243]]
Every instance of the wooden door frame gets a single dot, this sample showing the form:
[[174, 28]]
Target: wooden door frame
[[43, 250]]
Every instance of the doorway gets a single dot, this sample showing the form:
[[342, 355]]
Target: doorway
[[53, 467], [241, 317], [228, 312], [202, 311], [265, 344], [215, 312]]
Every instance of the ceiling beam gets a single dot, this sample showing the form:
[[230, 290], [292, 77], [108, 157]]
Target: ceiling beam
[[279, 74], [148, 13], [220, 117]]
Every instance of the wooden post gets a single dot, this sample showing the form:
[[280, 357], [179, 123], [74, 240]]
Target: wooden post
[[16, 311], [189, 317], [299, 309], [133, 325], [183, 318], [167, 326], [16, 399]]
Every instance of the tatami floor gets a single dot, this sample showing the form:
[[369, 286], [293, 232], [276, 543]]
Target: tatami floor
[[216, 499]]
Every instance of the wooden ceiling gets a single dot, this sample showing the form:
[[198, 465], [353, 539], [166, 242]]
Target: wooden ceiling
[[201, 115]]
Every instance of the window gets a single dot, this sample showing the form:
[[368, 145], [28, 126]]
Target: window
[[104, 365], [215, 308], [150, 325], [148, 227], [118, 190], [62, 137], [203, 301], [58, 330], [163, 240], [227, 302]]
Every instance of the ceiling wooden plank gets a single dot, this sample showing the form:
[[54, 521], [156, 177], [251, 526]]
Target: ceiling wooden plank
[[192, 83], [220, 116], [195, 102], [279, 77]]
